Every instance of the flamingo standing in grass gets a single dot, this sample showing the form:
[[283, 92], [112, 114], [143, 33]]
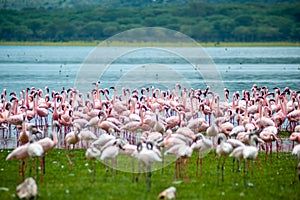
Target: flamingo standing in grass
[[223, 150], [91, 154], [250, 153], [71, 139], [21, 154], [237, 152], [110, 150], [295, 136], [296, 152], [180, 145], [147, 156], [87, 136], [48, 143], [268, 137], [34, 149], [203, 146]]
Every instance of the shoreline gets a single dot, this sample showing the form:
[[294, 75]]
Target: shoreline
[[205, 44]]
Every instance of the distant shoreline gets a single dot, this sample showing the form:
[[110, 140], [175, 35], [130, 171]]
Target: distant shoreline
[[205, 44]]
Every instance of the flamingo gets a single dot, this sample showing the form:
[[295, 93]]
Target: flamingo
[[71, 138], [87, 135], [169, 193], [236, 130], [129, 150], [34, 149], [296, 152], [180, 145], [268, 137], [102, 140], [237, 152], [250, 153], [212, 131], [294, 116], [20, 153], [48, 143], [147, 156], [28, 189], [110, 150], [295, 136], [92, 153], [203, 146], [223, 150]]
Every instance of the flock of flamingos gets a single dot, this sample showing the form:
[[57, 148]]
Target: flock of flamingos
[[149, 123]]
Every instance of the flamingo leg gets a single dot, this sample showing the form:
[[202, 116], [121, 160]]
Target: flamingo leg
[[73, 150], [218, 170], [68, 157], [197, 165], [277, 147], [267, 149], [139, 172], [185, 169], [271, 152], [176, 170], [132, 165], [245, 174], [258, 163], [201, 167], [94, 171], [41, 169], [233, 160], [149, 178], [43, 164], [181, 170], [235, 172], [163, 162], [223, 169], [252, 171]]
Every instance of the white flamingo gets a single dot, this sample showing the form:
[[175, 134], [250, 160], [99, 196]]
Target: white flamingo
[[92, 154], [169, 193], [28, 189], [203, 146], [223, 150], [147, 156]]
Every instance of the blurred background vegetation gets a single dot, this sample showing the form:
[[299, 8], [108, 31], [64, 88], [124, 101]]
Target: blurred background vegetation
[[205, 21]]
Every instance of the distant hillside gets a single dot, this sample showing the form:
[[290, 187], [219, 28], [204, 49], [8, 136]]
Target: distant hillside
[[205, 22], [78, 4]]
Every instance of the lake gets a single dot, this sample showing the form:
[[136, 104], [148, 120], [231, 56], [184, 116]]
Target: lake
[[238, 67]]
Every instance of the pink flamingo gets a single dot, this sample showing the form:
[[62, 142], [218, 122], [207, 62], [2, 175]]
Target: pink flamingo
[[71, 139], [20, 153], [49, 144], [268, 137]]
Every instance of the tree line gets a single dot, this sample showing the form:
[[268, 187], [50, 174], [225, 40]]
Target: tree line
[[204, 22]]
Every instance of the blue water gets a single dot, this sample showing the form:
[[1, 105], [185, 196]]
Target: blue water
[[239, 67]]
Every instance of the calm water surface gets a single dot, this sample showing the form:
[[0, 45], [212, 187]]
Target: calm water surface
[[240, 67]]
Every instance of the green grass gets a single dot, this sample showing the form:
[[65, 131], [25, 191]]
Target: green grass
[[276, 180], [203, 44]]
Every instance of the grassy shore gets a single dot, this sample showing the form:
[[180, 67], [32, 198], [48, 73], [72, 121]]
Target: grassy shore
[[276, 180], [205, 44]]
